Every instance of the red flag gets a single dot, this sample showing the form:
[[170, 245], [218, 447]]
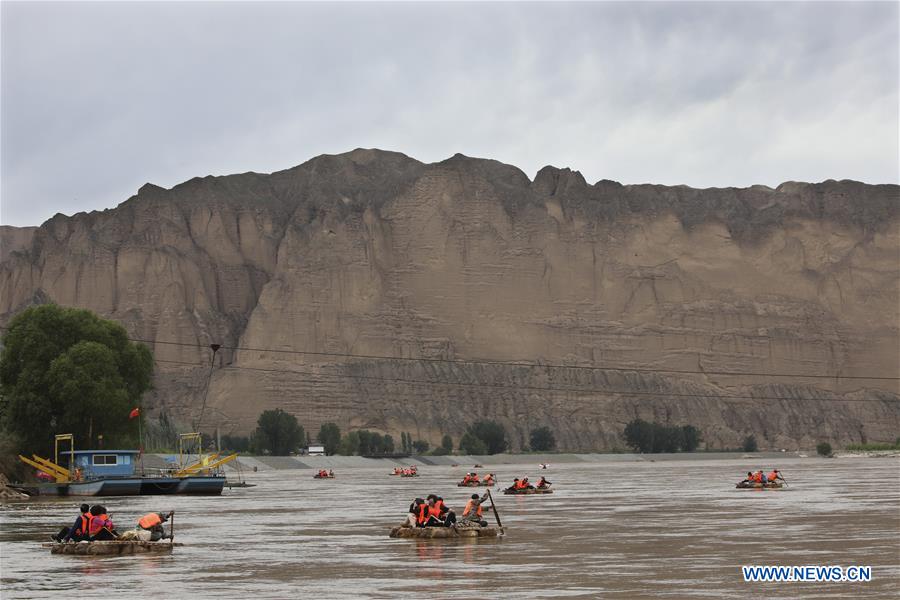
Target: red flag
[[134, 413]]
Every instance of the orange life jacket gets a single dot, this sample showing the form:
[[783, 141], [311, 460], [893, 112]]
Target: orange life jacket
[[149, 520], [435, 511], [470, 506], [757, 477], [521, 485], [772, 476], [85, 524], [423, 514]]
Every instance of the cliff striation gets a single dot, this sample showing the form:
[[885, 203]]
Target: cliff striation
[[668, 303]]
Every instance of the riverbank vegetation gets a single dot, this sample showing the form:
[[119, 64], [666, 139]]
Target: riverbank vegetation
[[646, 437], [66, 370]]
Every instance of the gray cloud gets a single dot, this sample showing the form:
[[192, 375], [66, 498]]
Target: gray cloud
[[98, 98]]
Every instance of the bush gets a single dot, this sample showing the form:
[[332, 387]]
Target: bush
[[235, 443], [824, 449], [750, 444], [542, 440], [647, 437], [420, 446], [447, 444], [349, 444], [470, 444], [440, 451]]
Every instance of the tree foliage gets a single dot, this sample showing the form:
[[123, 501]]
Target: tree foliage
[[447, 444], [420, 446], [471, 444], [278, 433], [823, 449], [644, 436], [330, 437], [492, 434], [750, 444], [542, 439], [66, 370]]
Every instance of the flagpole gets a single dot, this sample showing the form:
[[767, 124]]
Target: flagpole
[[141, 441]]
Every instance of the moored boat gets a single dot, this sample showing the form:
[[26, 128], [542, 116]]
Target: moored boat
[[111, 548], [445, 532]]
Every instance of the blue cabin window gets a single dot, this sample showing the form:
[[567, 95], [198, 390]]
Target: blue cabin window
[[104, 459]]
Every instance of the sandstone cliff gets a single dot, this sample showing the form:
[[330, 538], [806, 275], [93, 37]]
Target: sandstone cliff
[[375, 254]]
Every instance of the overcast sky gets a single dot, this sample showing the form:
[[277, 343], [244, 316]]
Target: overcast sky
[[99, 98]]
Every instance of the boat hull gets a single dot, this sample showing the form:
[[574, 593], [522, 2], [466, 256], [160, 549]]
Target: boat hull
[[759, 486], [134, 486], [526, 492], [111, 548], [444, 532]]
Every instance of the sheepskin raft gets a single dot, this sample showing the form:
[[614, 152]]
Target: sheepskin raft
[[111, 548], [444, 532], [527, 491]]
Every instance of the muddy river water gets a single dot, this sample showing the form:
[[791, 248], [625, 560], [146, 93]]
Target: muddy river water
[[612, 530]]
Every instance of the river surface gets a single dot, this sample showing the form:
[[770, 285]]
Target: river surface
[[644, 529]]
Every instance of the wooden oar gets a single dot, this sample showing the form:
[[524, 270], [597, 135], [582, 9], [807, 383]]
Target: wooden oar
[[172, 528], [494, 508]]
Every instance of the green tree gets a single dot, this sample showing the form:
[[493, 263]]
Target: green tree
[[492, 434], [420, 446], [639, 435], [330, 437], [349, 444], [471, 444], [404, 445], [447, 444], [542, 439], [67, 370], [750, 444], [690, 438], [278, 433], [824, 449], [388, 444]]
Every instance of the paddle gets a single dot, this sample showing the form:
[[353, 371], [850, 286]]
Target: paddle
[[494, 508], [172, 527]]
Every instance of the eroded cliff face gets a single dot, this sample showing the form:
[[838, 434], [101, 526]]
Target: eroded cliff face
[[470, 265]]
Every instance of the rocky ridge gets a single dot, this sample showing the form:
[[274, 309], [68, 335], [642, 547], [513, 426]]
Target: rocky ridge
[[645, 299]]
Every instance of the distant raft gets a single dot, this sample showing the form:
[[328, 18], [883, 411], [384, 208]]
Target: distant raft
[[755, 485], [317, 476], [527, 491], [444, 532], [111, 548], [476, 484]]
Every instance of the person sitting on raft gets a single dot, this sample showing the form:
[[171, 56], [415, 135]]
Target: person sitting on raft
[[78, 531], [415, 517], [436, 513], [153, 522], [488, 479], [774, 476], [100, 526], [331, 472], [749, 478], [543, 484], [473, 513]]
